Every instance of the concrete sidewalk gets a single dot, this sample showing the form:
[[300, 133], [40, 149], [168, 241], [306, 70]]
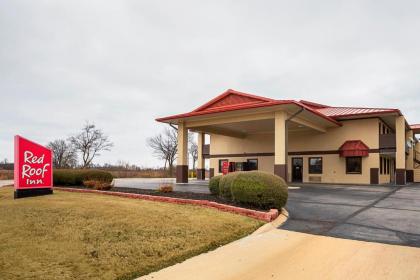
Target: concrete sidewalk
[[282, 254], [6, 182]]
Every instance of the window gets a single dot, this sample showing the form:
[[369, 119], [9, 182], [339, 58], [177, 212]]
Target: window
[[221, 164], [239, 166], [354, 165], [315, 165], [252, 164], [385, 165]]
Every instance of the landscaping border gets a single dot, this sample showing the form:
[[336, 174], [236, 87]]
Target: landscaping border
[[268, 216]]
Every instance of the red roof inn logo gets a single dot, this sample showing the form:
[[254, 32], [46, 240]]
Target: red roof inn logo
[[33, 168]]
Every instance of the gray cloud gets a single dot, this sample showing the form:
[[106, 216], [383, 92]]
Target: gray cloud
[[123, 63]]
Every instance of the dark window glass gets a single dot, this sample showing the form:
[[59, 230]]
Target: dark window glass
[[239, 166], [221, 164], [354, 165], [252, 164], [315, 165], [388, 171]]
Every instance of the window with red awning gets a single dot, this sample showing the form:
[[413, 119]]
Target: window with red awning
[[354, 148]]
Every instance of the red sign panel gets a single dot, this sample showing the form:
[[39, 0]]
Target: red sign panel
[[33, 165], [225, 167]]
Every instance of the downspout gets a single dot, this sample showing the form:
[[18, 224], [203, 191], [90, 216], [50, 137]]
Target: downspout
[[287, 133]]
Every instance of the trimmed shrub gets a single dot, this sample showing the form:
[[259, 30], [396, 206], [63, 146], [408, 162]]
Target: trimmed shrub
[[260, 189], [76, 177], [225, 184], [97, 185], [214, 185], [165, 188]]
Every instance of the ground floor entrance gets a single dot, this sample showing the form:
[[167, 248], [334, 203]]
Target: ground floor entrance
[[297, 169]]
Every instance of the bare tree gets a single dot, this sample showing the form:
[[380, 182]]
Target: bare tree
[[165, 147], [90, 142], [193, 149], [64, 155]]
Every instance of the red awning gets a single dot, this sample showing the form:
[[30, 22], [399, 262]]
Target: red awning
[[354, 148]]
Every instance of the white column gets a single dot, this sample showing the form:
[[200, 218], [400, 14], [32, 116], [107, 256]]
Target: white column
[[280, 134], [200, 161], [182, 160], [400, 150]]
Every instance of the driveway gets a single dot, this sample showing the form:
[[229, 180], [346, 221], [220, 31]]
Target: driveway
[[386, 214], [281, 254]]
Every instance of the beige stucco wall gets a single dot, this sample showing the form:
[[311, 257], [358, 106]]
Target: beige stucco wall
[[334, 169], [416, 167], [333, 166], [384, 178], [417, 175], [256, 143], [409, 160], [366, 130]]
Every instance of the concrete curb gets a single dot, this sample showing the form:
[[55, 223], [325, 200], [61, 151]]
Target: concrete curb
[[259, 215], [275, 224]]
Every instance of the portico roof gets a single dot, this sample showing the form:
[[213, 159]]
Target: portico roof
[[232, 100], [415, 128]]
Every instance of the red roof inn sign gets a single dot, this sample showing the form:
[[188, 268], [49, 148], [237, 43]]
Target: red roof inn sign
[[33, 168]]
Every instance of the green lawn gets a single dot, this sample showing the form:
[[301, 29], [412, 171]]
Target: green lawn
[[89, 236]]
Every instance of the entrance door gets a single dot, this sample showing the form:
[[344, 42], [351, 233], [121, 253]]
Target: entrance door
[[297, 169]]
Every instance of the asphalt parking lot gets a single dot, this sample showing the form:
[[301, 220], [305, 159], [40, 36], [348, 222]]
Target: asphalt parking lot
[[387, 214]]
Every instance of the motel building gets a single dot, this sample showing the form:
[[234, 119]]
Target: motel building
[[300, 141]]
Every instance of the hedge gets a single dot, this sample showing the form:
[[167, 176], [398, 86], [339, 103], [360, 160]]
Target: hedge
[[76, 177], [225, 185], [260, 189], [214, 185]]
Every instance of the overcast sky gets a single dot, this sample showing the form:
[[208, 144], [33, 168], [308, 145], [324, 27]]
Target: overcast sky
[[121, 64]]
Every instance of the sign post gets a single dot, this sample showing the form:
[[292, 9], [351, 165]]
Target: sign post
[[33, 168]]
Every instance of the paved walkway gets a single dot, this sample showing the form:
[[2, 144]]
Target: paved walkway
[[194, 185], [282, 254], [5, 182], [387, 214]]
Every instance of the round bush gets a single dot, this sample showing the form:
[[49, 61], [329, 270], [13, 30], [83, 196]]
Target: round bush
[[76, 177], [260, 189], [225, 184], [214, 185]]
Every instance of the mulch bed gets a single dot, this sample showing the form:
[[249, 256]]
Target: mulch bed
[[185, 195]]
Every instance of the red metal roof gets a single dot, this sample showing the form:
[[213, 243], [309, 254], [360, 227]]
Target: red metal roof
[[354, 148], [313, 104], [232, 97], [232, 100], [415, 126], [336, 112]]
